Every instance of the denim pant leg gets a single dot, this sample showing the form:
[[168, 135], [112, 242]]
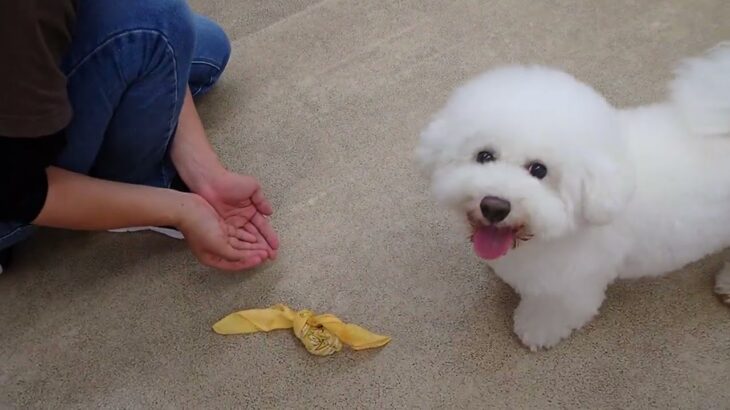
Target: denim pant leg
[[127, 71], [210, 58]]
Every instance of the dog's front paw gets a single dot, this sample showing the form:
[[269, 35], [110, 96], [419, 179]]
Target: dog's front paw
[[541, 323], [537, 330]]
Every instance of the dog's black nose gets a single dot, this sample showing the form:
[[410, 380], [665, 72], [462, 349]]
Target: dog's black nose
[[495, 209]]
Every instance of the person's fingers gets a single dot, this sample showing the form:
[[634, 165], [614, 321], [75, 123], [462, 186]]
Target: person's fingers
[[241, 234], [228, 265], [243, 265], [253, 257], [245, 236], [237, 220], [254, 230], [261, 203], [233, 249], [228, 252], [242, 245], [233, 231], [265, 228], [271, 252]]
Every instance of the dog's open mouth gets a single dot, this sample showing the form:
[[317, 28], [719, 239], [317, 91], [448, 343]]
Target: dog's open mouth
[[492, 241]]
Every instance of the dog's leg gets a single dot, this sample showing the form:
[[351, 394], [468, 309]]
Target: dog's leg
[[543, 320], [722, 283]]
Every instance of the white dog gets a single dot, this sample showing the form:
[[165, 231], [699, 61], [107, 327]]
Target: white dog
[[565, 193]]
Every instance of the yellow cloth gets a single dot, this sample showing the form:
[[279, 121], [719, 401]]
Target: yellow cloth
[[322, 335]]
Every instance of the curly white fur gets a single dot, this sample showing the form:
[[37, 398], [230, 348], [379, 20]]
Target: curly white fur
[[629, 192]]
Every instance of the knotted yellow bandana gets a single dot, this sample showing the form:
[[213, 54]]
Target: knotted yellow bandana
[[322, 335]]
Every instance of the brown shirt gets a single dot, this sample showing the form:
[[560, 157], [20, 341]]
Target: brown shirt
[[34, 35], [34, 105]]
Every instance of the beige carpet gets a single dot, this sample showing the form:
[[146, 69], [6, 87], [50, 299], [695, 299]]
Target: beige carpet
[[323, 100]]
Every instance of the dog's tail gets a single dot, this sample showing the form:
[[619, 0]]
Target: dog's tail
[[700, 92]]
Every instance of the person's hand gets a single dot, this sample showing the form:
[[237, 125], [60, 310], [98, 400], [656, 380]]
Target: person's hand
[[216, 241], [241, 204]]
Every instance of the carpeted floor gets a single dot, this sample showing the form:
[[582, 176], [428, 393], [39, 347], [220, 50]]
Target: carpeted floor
[[323, 101]]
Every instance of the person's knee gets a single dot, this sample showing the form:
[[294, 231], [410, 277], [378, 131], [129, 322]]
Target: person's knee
[[131, 24], [172, 19], [218, 43], [176, 22], [212, 52]]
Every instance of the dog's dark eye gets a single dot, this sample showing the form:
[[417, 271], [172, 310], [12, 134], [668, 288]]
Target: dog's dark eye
[[537, 170], [485, 156]]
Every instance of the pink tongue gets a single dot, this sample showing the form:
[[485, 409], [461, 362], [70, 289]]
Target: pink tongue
[[491, 242]]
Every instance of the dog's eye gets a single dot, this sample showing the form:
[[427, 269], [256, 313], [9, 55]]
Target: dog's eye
[[537, 170], [485, 156]]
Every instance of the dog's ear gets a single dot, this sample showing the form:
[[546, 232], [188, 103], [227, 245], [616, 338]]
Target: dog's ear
[[430, 145], [607, 187]]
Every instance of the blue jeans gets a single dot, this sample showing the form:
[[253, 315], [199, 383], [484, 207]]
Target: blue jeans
[[128, 67]]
